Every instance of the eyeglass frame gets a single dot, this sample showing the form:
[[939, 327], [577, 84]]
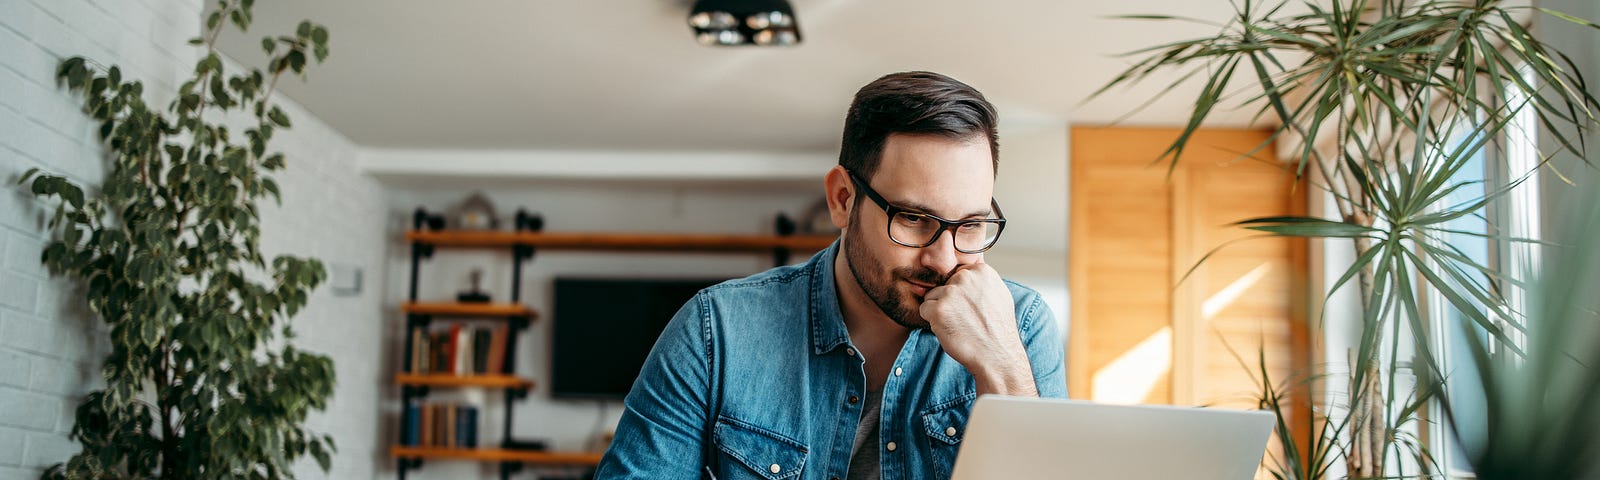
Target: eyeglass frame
[[890, 210]]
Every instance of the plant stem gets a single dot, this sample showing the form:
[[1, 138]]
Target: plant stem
[[211, 37], [164, 404]]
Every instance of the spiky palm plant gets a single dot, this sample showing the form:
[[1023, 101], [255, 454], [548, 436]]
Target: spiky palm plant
[[1388, 100]]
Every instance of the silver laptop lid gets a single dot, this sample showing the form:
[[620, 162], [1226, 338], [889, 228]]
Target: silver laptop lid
[[1027, 438]]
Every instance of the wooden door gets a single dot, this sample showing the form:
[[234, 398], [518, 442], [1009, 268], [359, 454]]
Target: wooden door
[[1137, 334]]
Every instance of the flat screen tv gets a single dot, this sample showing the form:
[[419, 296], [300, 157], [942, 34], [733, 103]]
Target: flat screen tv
[[604, 329]]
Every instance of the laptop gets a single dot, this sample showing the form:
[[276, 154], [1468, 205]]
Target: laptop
[[1012, 437]]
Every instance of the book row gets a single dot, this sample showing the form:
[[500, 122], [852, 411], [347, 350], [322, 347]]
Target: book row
[[443, 425], [458, 350]]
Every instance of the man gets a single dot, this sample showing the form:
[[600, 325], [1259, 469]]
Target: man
[[863, 362]]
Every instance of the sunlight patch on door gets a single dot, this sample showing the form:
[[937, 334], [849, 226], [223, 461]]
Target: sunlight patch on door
[[1131, 377], [1233, 291]]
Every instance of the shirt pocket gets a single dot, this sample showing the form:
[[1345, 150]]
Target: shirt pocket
[[944, 425], [751, 452]]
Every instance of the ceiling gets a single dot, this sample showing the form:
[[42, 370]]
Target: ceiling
[[627, 74]]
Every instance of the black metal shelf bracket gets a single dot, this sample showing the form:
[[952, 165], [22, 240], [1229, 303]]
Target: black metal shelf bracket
[[422, 220], [785, 227], [509, 468]]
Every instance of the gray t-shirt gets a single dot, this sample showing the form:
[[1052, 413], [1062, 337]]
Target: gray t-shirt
[[864, 461]]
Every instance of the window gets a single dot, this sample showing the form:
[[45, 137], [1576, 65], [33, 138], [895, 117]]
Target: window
[[1513, 216]]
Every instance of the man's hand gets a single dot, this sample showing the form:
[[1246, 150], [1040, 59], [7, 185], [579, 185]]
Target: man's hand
[[975, 319]]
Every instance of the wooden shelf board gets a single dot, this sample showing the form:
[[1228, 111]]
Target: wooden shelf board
[[467, 309], [622, 241], [440, 380], [499, 455]]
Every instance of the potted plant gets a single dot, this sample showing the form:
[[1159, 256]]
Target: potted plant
[[201, 379], [1388, 100]]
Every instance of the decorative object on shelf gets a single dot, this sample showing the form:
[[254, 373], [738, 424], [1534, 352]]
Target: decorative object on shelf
[[744, 22], [476, 294], [784, 225], [817, 220], [474, 213]]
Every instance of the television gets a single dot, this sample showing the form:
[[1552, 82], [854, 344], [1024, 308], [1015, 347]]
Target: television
[[604, 329]]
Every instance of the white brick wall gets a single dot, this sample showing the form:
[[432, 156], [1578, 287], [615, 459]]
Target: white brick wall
[[50, 349], [334, 212]]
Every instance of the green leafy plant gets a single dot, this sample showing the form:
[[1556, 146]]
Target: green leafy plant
[[201, 379], [1389, 100]]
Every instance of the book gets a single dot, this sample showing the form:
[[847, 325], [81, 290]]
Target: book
[[497, 350], [411, 435], [480, 350], [413, 347], [426, 425], [439, 348], [425, 356], [449, 426], [454, 366], [466, 426]]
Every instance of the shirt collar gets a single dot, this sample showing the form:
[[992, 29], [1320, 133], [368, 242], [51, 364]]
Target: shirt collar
[[827, 319]]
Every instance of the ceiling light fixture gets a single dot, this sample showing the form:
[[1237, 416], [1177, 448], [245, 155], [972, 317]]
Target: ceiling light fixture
[[744, 22]]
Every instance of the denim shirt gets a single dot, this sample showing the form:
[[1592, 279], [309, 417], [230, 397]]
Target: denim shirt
[[756, 378]]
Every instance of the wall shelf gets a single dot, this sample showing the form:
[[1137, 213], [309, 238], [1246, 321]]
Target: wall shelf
[[531, 457], [661, 242], [453, 309], [488, 381], [525, 238]]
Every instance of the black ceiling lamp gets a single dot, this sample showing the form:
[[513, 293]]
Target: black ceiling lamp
[[744, 22]]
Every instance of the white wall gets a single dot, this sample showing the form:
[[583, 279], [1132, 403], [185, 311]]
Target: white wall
[[334, 211], [1032, 190], [50, 348]]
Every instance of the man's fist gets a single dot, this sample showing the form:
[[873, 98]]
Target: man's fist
[[974, 317]]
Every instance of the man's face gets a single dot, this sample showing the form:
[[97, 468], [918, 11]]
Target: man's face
[[953, 179]]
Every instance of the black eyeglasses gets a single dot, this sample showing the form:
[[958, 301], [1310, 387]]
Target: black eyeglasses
[[917, 229]]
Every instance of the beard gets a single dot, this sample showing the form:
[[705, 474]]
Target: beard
[[881, 284]]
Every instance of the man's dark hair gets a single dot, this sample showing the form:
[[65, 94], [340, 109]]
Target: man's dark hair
[[918, 103]]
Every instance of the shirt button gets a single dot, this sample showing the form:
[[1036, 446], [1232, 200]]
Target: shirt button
[[897, 371], [850, 352], [949, 431], [774, 468], [890, 446], [853, 399]]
